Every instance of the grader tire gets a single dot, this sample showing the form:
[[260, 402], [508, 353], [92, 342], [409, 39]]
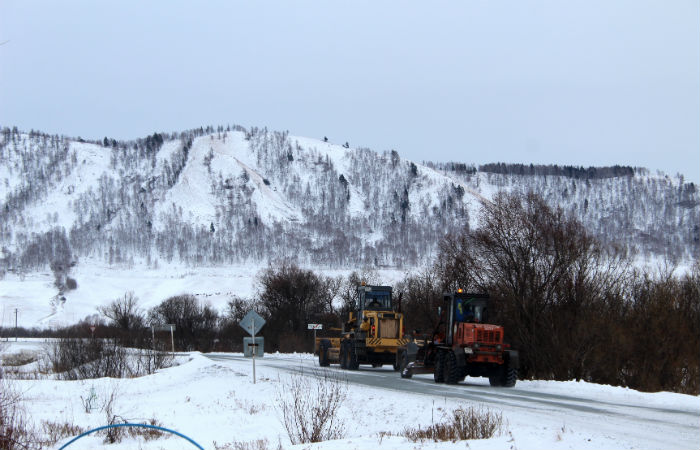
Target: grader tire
[[350, 358], [495, 378], [510, 377], [452, 370], [439, 374], [343, 349], [323, 354], [504, 376]]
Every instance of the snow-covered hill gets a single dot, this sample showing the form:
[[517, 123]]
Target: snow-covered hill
[[234, 195]]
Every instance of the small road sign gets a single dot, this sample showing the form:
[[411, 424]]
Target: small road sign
[[252, 323], [253, 348], [315, 326]]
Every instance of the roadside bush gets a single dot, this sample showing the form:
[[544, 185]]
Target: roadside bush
[[195, 323], [291, 298], [259, 444], [79, 359], [310, 407], [22, 358], [147, 434], [20, 366], [15, 430], [117, 434], [463, 424], [71, 284], [56, 431]]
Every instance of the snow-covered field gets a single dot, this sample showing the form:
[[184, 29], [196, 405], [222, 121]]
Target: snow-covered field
[[33, 294], [214, 402], [99, 284]]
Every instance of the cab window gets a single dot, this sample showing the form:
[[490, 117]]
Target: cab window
[[378, 300], [467, 311]]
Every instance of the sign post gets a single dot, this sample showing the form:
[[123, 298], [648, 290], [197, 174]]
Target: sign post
[[166, 327], [315, 326], [172, 338], [252, 323], [254, 349]]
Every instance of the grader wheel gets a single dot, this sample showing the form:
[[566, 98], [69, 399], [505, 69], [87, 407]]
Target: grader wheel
[[452, 370], [439, 374]]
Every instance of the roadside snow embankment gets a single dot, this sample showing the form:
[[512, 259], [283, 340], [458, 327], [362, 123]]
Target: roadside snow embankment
[[213, 400]]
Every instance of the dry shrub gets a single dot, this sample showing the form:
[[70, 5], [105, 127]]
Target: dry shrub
[[71, 284], [464, 423], [147, 434], [55, 431], [116, 434], [258, 444], [310, 406], [22, 358], [16, 433], [17, 366], [249, 407], [79, 359]]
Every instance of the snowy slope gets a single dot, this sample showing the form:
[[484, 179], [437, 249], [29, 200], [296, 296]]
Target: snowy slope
[[217, 197], [92, 164]]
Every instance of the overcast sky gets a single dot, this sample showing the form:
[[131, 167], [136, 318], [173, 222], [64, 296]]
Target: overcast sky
[[560, 82]]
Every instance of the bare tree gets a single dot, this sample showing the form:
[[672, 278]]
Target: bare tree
[[196, 323], [545, 274], [124, 312], [292, 297]]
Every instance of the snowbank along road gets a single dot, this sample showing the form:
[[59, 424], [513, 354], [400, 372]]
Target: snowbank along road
[[663, 420]]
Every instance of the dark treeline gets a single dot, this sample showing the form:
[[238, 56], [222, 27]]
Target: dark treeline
[[457, 167], [565, 171], [575, 309]]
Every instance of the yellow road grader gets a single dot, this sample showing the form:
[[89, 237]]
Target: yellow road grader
[[371, 335]]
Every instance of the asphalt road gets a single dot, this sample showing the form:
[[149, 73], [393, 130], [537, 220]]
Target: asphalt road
[[661, 423]]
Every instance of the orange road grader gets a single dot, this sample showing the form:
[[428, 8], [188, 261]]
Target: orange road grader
[[463, 344]]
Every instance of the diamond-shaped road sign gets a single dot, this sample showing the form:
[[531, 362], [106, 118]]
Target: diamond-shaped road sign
[[250, 319]]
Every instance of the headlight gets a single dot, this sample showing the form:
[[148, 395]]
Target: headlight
[[476, 345], [468, 350]]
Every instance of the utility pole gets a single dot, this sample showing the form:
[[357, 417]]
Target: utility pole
[[15, 324], [254, 348]]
